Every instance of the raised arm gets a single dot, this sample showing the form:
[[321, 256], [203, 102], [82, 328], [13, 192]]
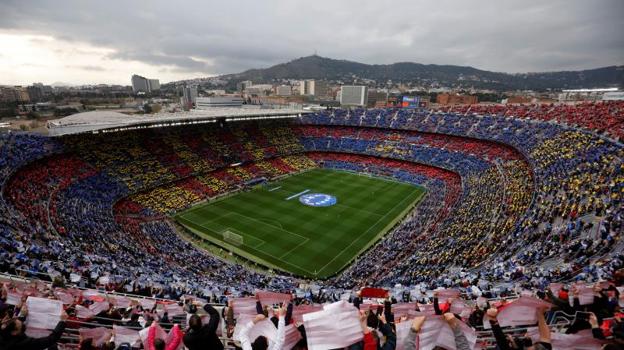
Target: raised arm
[[596, 330], [229, 316], [281, 330], [244, 333], [289, 312], [436, 304], [212, 325], [387, 331], [357, 301], [501, 340], [259, 309], [461, 343], [410, 341], [389, 316], [544, 330], [369, 341]]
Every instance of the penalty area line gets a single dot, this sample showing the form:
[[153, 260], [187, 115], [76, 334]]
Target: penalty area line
[[297, 195]]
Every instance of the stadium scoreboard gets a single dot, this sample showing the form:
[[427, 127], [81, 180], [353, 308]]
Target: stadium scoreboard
[[410, 102]]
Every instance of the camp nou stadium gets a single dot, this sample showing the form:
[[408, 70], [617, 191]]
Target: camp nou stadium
[[341, 198], [137, 224]]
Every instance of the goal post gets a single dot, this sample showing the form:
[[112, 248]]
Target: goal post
[[233, 238]]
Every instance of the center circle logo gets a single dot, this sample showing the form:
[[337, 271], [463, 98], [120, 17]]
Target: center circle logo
[[318, 200]]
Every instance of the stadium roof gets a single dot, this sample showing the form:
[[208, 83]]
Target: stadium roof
[[109, 121]]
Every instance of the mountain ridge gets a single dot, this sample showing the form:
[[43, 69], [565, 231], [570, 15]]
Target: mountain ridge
[[428, 75]]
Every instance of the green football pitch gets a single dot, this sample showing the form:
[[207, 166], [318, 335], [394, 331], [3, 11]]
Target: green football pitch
[[272, 226]]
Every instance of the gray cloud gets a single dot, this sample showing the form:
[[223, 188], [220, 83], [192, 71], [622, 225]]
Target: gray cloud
[[183, 62], [215, 37], [87, 68]]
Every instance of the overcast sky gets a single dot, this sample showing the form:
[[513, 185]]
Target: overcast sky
[[106, 41]]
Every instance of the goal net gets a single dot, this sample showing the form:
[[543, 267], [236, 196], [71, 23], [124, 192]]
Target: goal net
[[232, 237]]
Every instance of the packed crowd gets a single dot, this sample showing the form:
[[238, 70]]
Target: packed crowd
[[36, 315], [545, 219], [497, 190], [508, 200], [182, 194], [603, 117], [80, 235], [443, 191]]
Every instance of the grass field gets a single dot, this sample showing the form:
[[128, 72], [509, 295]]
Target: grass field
[[281, 232]]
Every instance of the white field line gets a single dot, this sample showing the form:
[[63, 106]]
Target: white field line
[[267, 253], [297, 246], [265, 223], [365, 232], [297, 195]]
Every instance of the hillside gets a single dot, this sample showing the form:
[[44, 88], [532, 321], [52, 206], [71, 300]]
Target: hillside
[[316, 67]]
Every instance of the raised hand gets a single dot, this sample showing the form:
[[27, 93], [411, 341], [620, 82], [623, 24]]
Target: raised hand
[[259, 318], [363, 323], [491, 313], [593, 320], [451, 320], [281, 312], [417, 323]]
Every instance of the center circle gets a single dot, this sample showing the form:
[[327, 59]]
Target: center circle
[[318, 200]]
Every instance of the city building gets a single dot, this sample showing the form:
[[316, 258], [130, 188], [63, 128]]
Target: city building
[[393, 101], [455, 99], [283, 90], [377, 98], [188, 96], [219, 101], [613, 96], [142, 84], [139, 84], [13, 94], [38, 91], [259, 90], [6, 94], [154, 84], [518, 99], [21, 94], [316, 88], [278, 100], [584, 94], [354, 96], [241, 86], [217, 92]]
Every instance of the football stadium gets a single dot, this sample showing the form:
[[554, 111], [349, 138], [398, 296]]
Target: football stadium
[[312, 175], [459, 206]]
